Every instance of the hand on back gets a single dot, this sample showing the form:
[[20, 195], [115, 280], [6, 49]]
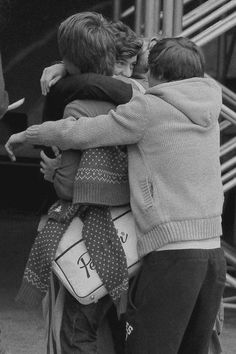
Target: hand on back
[[50, 76]]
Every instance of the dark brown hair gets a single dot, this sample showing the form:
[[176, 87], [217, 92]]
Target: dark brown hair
[[86, 40], [128, 44], [172, 59]]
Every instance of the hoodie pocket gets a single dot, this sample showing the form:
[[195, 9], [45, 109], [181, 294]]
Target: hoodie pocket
[[147, 193]]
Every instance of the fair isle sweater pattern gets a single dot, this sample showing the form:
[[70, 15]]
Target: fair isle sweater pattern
[[102, 177]]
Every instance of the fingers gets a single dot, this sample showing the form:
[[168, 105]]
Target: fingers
[[44, 82], [54, 81], [43, 156], [50, 76], [48, 166], [15, 140], [43, 165], [47, 176], [56, 150], [42, 171], [10, 152]]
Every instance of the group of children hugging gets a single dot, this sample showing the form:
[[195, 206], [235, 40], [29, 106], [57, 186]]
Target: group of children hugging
[[132, 121]]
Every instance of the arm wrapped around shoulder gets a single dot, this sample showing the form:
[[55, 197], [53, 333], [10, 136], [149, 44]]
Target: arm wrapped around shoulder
[[126, 125]]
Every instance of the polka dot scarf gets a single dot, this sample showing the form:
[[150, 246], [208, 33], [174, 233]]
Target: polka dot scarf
[[101, 240], [37, 272], [106, 251]]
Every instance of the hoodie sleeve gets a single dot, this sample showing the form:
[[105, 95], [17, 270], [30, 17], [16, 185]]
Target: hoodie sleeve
[[126, 125]]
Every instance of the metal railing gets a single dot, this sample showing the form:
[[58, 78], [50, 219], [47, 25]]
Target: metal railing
[[215, 30], [229, 115], [228, 147], [154, 17], [230, 255], [209, 18], [200, 11]]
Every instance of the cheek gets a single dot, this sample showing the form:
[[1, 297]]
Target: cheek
[[117, 71], [126, 71]]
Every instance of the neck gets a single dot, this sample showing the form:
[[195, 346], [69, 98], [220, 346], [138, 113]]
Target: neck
[[153, 81]]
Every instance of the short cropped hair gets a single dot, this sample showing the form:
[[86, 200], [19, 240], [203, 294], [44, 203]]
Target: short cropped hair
[[128, 44], [172, 59], [87, 41]]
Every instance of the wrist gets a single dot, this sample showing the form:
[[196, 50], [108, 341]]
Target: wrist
[[31, 135]]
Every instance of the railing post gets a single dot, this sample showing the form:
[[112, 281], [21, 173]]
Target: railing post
[[229, 53], [177, 17], [221, 55], [116, 10], [168, 9], [138, 17], [152, 17], [158, 16]]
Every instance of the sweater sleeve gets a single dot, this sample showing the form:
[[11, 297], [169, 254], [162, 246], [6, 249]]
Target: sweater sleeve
[[65, 174], [124, 126], [84, 86]]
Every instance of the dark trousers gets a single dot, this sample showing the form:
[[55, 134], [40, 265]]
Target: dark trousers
[[174, 302], [80, 325]]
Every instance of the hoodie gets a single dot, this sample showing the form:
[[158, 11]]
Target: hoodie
[[172, 133]]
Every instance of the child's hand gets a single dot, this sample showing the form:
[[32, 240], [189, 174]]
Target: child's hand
[[49, 166], [15, 141], [56, 151], [50, 76]]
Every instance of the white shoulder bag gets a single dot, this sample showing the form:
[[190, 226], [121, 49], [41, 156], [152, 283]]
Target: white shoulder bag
[[74, 267]]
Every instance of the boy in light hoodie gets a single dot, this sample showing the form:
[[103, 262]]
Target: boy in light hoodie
[[172, 134]]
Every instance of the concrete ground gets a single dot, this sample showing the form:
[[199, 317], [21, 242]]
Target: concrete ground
[[23, 331]]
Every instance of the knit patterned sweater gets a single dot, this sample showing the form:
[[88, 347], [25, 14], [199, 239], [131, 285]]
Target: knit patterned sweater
[[173, 153], [101, 176]]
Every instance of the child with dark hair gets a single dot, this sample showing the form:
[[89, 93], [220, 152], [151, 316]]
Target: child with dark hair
[[128, 45], [172, 134]]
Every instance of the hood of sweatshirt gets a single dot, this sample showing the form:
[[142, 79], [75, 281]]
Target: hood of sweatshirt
[[199, 99]]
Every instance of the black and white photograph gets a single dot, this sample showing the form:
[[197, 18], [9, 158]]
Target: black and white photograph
[[117, 177]]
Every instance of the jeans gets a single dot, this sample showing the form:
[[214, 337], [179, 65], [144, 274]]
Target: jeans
[[80, 324]]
